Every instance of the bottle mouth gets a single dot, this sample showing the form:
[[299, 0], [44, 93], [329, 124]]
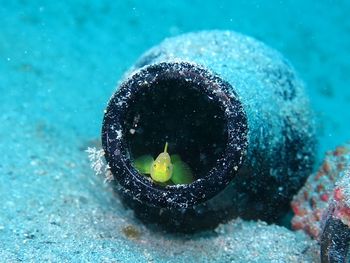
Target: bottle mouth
[[190, 108]]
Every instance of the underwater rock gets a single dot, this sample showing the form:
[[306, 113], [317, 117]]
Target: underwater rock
[[322, 206], [335, 233], [236, 113], [314, 198]]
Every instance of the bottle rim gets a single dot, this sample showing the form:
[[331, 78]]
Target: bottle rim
[[184, 195]]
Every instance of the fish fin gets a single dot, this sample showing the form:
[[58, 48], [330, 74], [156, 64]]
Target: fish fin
[[166, 147], [175, 158], [143, 164], [182, 173]]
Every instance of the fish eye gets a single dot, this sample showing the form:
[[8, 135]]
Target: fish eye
[[154, 165]]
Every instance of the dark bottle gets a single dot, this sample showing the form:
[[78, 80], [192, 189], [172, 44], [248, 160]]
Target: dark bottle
[[235, 112]]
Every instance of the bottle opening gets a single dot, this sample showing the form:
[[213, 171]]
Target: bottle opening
[[178, 112], [191, 110]]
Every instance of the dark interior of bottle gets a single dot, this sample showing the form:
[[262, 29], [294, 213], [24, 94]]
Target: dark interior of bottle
[[181, 113]]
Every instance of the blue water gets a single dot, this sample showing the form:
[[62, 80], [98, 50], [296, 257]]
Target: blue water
[[59, 64]]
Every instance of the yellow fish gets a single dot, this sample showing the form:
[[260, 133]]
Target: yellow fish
[[162, 168], [165, 168]]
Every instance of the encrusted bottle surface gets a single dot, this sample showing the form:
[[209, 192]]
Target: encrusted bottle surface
[[232, 109]]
